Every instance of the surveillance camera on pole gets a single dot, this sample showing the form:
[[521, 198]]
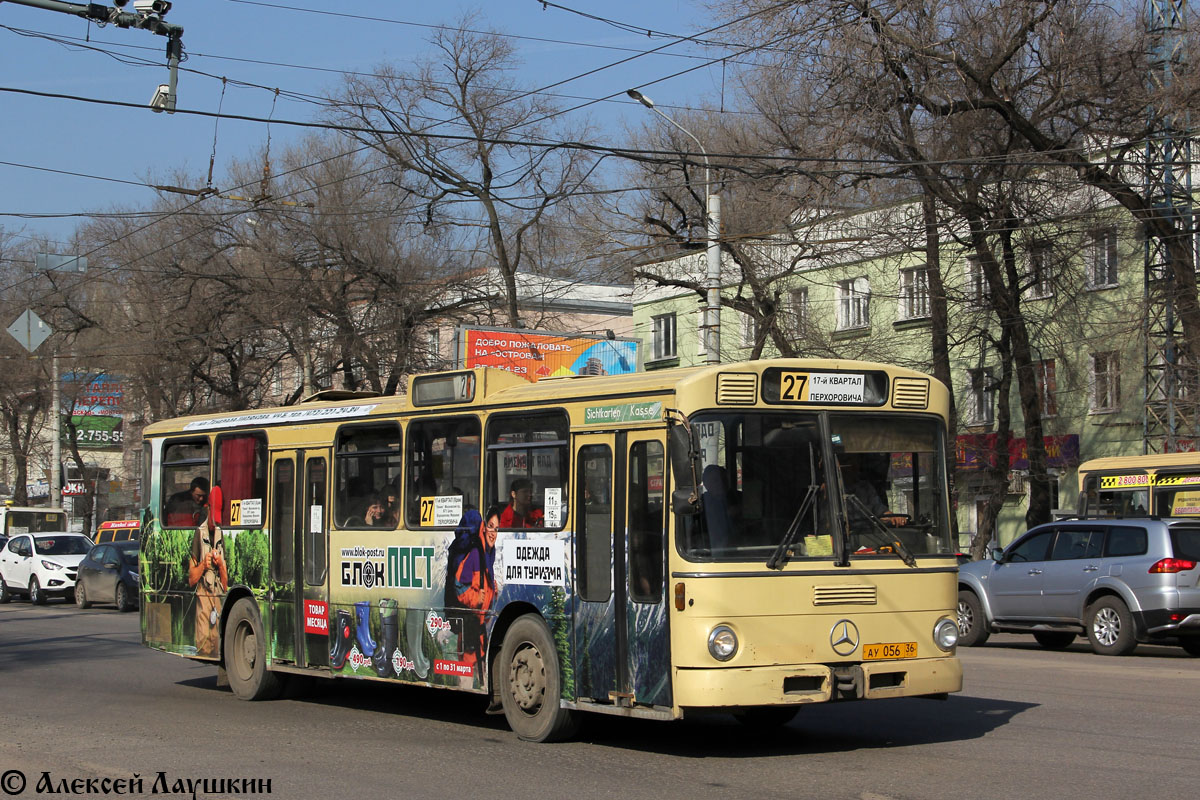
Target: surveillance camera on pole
[[162, 99], [146, 15], [159, 7]]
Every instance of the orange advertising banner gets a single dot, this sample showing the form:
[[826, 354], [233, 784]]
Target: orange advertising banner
[[534, 356]]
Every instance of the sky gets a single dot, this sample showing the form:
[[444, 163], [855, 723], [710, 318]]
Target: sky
[[296, 46]]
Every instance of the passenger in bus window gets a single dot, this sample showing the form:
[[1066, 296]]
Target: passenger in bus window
[[391, 501], [520, 513], [377, 514], [186, 508]]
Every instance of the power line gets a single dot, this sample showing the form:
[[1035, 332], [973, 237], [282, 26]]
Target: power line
[[627, 152], [449, 28]]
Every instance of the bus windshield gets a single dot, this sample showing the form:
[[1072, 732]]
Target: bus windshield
[[764, 487]]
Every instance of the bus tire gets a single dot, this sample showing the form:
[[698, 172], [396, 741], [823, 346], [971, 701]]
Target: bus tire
[[1110, 627], [246, 655], [531, 683], [972, 626]]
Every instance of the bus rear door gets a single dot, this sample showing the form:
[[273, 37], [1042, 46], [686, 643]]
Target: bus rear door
[[299, 557]]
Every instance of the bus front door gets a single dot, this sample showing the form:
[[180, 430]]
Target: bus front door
[[620, 613], [299, 558]]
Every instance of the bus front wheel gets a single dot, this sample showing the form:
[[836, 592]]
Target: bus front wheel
[[531, 683], [246, 655]]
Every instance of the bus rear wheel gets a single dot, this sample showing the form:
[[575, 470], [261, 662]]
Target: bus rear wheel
[[531, 683], [246, 655]]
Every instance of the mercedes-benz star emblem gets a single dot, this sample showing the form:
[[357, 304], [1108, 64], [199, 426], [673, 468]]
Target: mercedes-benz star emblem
[[844, 637]]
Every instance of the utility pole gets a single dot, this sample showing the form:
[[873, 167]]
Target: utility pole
[[146, 15], [711, 329], [1170, 371]]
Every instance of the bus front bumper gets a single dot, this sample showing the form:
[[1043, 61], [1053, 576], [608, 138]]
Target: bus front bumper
[[734, 687]]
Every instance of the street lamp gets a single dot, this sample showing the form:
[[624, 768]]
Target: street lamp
[[712, 211]]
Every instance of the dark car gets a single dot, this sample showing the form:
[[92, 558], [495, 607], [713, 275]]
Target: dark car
[[109, 574]]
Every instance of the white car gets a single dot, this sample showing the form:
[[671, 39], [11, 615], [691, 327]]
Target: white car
[[41, 565]]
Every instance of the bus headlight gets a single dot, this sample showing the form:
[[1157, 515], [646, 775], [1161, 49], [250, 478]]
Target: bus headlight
[[945, 634], [722, 643]]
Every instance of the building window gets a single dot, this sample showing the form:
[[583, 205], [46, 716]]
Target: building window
[[663, 341], [798, 306], [1038, 272], [434, 343], [854, 303], [749, 330], [976, 287], [914, 293], [1102, 258], [983, 396], [322, 374], [1047, 386], [1106, 381]]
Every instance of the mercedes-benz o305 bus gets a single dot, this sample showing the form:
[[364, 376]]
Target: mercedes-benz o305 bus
[[747, 538]]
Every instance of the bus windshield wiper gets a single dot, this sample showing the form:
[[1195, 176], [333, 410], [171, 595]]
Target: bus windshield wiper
[[779, 557], [882, 531]]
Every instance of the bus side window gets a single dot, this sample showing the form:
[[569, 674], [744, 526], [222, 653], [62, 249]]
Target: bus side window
[[443, 462], [185, 466], [241, 476], [368, 459], [527, 462]]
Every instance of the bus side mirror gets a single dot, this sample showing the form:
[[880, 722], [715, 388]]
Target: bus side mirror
[[681, 502]]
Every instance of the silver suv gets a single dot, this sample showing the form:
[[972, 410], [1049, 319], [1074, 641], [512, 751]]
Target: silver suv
[[1120, 581]]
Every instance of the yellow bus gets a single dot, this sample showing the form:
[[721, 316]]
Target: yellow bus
[[746, 538], [1161, 485]]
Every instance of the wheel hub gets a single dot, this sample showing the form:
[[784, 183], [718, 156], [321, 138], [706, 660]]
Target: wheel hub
[[249, 649], [528, 678], [964, 617], [1107, 626]]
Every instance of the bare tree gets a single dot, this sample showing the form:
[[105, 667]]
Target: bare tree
[[469, 148], [976, 106], [24, 378]]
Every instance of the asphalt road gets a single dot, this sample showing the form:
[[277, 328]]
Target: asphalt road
[[81, 699]]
